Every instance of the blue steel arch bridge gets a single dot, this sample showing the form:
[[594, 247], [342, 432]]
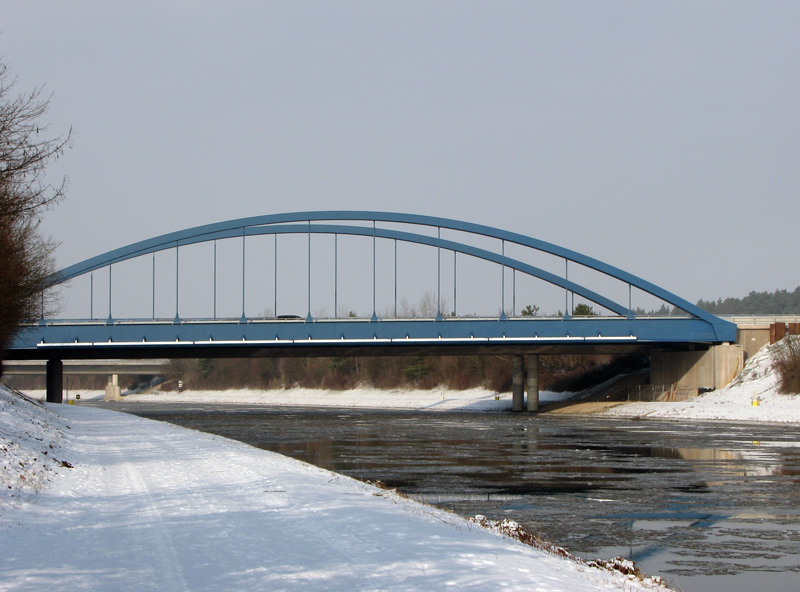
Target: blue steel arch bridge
[[617, 328]]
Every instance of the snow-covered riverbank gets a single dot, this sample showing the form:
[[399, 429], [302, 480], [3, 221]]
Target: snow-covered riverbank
[[98, 500], [91, 499], [757, 382]]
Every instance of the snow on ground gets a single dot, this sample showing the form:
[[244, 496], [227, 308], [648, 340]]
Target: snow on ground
[[116, 502], [757, 381], [426, 400], [30, 437]]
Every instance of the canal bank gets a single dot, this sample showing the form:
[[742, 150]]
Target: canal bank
[[711, 507], [99, 500]]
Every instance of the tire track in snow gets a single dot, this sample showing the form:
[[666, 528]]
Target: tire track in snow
[[166, 565]]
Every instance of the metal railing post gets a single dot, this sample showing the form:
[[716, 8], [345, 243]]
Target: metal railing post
[[308, 316], [244, 275], [215, 279], [335, 276], [374, 272], [109, 292], [439, 273], [177, 280], [395, 278], [503, 282], [455, 283]]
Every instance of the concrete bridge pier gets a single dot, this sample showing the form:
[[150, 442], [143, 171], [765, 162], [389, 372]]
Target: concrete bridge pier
[[533, 382], [55, 381], [113, 391], [517, 387], [525, 376]]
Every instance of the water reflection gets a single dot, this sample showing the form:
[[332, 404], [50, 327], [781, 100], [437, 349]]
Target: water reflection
[[697, 503]]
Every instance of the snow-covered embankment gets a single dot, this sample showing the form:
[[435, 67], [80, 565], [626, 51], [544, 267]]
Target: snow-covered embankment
[[116, 502], [758, 382]]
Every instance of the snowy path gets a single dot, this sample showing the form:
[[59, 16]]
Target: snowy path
[[150, 506]]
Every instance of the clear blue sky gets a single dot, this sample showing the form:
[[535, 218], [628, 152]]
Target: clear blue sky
[[660, 137]]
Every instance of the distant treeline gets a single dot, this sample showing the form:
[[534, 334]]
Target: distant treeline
[[778, 302], [453, 372]]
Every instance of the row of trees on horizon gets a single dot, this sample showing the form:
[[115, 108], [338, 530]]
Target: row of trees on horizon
[[755, 303]]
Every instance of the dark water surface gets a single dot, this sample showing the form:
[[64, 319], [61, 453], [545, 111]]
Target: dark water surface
[[709, 506]]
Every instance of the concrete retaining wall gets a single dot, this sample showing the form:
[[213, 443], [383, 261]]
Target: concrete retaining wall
[[752, 338], [709, 369]]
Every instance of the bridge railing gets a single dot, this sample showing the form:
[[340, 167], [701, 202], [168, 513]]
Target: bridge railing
[[323, 320], [761, 319]]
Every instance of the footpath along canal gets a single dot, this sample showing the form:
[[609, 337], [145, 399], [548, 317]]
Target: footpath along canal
[[712, 507]]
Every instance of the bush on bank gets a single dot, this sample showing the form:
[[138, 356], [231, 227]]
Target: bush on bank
[[492, 372], [787, 364]]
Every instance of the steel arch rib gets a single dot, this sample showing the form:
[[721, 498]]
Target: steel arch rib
[[232, 228], [408, 237], [449, 245]]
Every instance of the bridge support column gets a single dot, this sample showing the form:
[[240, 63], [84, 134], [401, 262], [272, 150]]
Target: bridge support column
[[517, 386], [55, 381], [533, 382], [113, 392]]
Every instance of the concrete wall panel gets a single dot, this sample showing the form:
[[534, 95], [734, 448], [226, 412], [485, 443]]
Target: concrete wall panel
[[710, 369], [752, 338]]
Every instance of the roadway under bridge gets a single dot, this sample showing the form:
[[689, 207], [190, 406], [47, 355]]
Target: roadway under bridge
[[131, 367]]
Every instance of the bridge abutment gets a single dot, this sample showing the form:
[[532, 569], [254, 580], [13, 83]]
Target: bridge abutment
[[696, 370], [55, 381]]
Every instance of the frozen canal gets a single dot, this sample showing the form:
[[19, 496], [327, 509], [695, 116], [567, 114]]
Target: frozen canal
[[709, 506]]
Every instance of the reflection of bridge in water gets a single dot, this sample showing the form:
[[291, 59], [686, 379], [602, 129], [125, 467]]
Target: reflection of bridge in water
[[616, 329]]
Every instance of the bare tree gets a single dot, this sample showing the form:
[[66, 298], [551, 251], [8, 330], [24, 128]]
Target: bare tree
[[26, 262]]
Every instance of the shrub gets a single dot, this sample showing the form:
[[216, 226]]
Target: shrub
[[787, 364], [498, 374]]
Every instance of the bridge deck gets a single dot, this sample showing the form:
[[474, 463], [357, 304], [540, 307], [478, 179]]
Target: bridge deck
[[280, 337]]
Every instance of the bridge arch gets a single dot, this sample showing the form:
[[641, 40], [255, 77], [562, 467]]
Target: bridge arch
[[329, 222]]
